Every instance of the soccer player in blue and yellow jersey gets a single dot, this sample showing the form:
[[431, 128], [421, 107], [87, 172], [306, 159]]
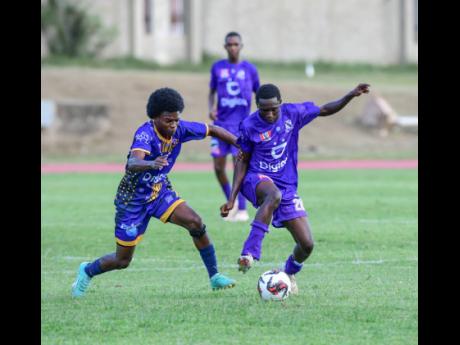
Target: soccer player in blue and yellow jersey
[[266, 172], [146, 192], [233, 81]]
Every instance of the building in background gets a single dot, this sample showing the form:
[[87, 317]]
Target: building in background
[[347, 31]]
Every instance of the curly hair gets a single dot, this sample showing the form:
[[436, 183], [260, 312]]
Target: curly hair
[[268, 91], [164, 99]]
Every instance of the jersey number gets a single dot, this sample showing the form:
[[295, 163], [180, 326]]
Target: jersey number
[[298, 204]]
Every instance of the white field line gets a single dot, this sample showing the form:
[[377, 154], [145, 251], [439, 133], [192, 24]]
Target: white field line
[[109, 221], [189, 265], [391, 221]]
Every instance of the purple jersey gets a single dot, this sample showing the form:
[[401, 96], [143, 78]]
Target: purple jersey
[[274, 147], [137, 188], [235, 84]]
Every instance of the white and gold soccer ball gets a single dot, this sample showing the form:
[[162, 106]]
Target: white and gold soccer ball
[[274, 285]]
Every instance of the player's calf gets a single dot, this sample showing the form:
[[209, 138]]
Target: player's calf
[[303, 249]]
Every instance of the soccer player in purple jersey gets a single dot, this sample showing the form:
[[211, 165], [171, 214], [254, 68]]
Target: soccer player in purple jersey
[[266, 172], [234, 81], [146, 192]]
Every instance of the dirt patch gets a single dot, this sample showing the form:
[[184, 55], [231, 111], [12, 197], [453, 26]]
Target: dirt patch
[[126, 94]]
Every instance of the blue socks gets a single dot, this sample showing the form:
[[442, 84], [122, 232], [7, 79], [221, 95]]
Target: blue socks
[[93, 269], [208, 255]]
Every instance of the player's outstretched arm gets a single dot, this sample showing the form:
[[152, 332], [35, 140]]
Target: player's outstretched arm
[[241, 167], [335, 106], [223, 134], [137, 163]]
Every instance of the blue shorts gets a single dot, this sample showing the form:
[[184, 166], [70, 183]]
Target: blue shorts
[[290, 207], [131, 220]]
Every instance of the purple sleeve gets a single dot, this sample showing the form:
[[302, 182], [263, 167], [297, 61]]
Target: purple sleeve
[[213, 81], [244, 140], [142, 141], [192, 131], [307, 112]]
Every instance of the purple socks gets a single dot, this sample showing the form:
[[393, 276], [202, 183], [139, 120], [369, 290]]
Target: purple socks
[[253, 244], [291, 266], [227, 190], [241, 202]]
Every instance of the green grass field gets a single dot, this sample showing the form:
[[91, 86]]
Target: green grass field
[[358, 287]]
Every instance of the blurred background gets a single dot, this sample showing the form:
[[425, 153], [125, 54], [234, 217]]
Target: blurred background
[[101, 59]]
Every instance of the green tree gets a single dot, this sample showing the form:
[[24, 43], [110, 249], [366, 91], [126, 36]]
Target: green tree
[[70, 30]]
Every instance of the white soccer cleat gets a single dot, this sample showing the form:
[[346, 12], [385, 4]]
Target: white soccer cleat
[[240, 216], [294, 288], [245, 263]]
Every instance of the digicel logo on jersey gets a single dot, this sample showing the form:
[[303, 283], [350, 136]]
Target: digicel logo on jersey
[[273, 167]]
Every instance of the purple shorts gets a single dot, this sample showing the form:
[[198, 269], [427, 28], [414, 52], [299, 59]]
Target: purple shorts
[[291, 207], [220, 148], [131, 220]]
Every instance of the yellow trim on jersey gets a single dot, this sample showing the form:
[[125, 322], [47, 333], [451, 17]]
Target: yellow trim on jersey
[[207, 129], [135, 149], [164, 217], [168, 141], [155, 190], [129, 243]]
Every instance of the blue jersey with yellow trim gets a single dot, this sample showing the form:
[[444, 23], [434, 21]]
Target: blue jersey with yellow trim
[[137, 188]]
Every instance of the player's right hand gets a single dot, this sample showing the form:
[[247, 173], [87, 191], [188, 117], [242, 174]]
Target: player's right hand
[[360, 89], [213, 115], [160, 162], [225, 208]]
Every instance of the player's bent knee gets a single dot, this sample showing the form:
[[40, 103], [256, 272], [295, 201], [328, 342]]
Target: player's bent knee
[[194, 222], [198, 232], [274, 198]]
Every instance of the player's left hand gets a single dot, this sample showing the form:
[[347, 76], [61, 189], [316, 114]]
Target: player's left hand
[[360, 89], [225, 208]]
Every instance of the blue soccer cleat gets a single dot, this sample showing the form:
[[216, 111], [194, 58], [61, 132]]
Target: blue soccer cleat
[[219, 282], [81, 283]]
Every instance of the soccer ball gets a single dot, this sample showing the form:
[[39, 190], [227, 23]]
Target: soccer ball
[[274, 286]]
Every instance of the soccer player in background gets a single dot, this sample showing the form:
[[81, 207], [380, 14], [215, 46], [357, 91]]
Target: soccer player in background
[[234, 81], [266, 172], [146, 192]]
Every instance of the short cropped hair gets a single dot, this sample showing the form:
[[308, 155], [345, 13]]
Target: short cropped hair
[[164, 99], [268, 91], [232, 34]]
